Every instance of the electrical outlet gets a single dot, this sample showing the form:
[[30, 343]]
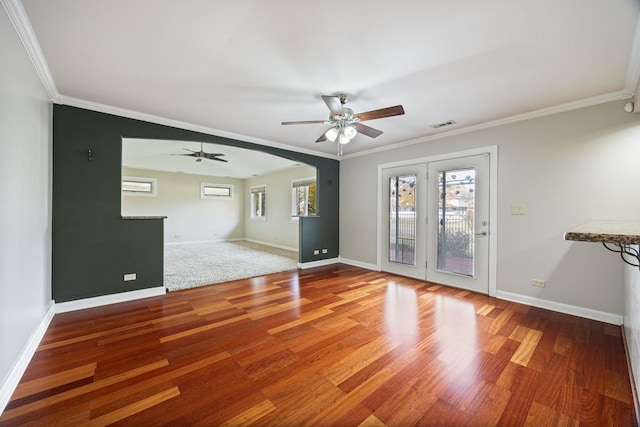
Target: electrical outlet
[[539, 283], [129, 277], [517, 210], [316, 252], [324, 251]]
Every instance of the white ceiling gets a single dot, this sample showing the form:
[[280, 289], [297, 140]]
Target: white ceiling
[[238, 68], [162, 155]]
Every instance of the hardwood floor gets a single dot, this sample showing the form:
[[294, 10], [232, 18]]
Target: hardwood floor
[[335, 345]]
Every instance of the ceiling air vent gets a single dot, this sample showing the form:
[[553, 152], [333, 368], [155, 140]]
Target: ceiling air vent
[[443, 124]]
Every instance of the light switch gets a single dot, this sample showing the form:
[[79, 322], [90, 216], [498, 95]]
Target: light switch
[[517, 210]]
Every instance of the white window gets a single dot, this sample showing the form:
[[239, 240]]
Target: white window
[[303, 197], [258, 202], [216, 191], [139, 186]]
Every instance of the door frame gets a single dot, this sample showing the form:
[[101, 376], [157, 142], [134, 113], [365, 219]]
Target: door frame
[[492, 151]]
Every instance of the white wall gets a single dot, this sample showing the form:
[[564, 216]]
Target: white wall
[[632, 318], [566, 169], [25, 203], [189, 218], [278, 229]]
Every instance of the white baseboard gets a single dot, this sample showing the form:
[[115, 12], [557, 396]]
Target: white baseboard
[[18, 368], [632, 378], [360, 264], [286, 248], [587, 313], [80, 304], [320, 263], [195, 242]]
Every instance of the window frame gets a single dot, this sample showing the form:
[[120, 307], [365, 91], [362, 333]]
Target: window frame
[[252, 202], [139, 179], [205, 185], [298, 183]]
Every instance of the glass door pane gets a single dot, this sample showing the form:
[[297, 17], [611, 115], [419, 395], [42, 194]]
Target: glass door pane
[[456, 221], [402, 219]]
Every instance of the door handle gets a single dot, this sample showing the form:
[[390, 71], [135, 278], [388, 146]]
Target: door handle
[[482, 233]]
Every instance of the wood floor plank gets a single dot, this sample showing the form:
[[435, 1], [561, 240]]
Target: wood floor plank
[[251, 415], [134, 408], [528, 343], [304, 318], [358, 359], [54, 380], [372, 421], [333, 345], [82, 390]]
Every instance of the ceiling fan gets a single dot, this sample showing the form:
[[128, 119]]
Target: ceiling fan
[[345, 124], [199, 155]]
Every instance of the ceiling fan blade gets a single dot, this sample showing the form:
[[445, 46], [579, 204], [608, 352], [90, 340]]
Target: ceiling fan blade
[[194, 154], [303, 122], [334, 104], [323, 137], [382, 112], [214, 157], [367, 130]]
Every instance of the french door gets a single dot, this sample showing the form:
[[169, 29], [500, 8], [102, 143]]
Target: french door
[[458, 228], [404, 217], [437, 229]]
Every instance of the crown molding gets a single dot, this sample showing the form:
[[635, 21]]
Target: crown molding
[[570, 106], [20, 20], [18, 17], [122, 112]]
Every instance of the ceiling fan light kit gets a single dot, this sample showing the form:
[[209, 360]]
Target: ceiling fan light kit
[[332, 134], [345, 125], [344, 134]]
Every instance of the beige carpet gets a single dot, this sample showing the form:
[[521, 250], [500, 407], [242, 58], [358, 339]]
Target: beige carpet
[[199, 264]]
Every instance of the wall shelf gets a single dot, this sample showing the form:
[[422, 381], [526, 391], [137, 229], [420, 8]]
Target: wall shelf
[[616, 236]]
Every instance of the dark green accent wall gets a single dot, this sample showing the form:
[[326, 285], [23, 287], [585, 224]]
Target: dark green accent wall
[[93, 247], [315, 239]]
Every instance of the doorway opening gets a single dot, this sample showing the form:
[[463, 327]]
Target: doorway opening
[[215, 195]]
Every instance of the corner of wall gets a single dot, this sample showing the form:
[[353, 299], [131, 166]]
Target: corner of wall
[[631, 328], [20, 365]]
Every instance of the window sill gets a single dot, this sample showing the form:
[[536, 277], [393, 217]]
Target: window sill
[[296, 219]]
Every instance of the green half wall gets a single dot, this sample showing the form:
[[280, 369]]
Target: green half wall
[[93, 247]]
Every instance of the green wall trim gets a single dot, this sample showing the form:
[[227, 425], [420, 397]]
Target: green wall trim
[[93, 247]]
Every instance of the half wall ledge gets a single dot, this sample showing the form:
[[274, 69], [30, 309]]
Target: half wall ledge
[[616, 236], [144, 217]]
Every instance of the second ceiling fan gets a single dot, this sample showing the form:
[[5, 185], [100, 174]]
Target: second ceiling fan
[[345, 124], [199, 155]]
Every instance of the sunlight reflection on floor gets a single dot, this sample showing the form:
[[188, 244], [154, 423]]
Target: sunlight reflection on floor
[[401, 312], [457, 333]]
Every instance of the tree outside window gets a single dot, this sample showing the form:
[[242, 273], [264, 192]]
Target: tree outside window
[[303, 196], [258, 202]]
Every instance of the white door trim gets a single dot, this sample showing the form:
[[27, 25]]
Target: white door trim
[[493, 202]]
